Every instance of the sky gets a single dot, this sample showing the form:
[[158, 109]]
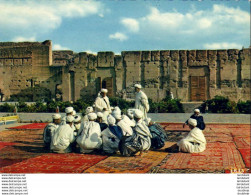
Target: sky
[[127, 25]]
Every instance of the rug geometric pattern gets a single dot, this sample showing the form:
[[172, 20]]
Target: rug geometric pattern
[[54, 163], [217, 156], [118, 164]]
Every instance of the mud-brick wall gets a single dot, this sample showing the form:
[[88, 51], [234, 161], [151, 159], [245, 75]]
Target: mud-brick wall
[[23, 65]]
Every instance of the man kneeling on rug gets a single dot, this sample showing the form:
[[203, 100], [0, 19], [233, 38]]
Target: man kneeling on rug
[[194, 142]]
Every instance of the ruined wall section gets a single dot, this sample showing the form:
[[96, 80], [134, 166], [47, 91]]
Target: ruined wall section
[[23, 65], [74, 75]]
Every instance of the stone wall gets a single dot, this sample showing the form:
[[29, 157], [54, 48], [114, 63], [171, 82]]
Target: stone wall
[[70, 76]]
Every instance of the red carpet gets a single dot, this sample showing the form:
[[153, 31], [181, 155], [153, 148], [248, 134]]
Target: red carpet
[[217, 156], [4, 144], [242, 142], [119, 164], [245, 153], [212, 136], [55, 163], [31, 126], [7, 162]]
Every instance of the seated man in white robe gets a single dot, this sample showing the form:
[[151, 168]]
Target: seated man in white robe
[[129, 118], [50, 129], [111, 136], [90, 139], [102, 104], [126, 129], [63, 137], [69, 112], [88, 110], [99, 120], [141, 101], [77, 124], [142, 130], [194, 142]]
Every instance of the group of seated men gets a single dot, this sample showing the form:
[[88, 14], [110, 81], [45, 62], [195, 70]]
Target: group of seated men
[[93, 133]]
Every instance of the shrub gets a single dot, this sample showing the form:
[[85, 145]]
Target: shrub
[[168, 105], [244, 107], [219, 104], [7, 108]]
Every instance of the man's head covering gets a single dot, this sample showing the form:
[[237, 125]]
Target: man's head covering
[[69, 110], [116, 109], [192, 122], [138, 113], [148, 120], [70, 119], [111, 120], [56, 116], [104, 90], [138, 86], [130, 113], [117, 115], [197, 110], [74, 113], [100, 114], [77, 119], [88, 110], [92, 116]]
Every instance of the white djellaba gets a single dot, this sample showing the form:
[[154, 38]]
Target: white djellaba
[[126, 129], [50, 129], [63, 137], [110, 141], [195, 141], [102, 103], [90, 135], [141, 101], [143, 131]]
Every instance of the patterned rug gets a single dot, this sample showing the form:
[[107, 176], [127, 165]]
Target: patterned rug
[[118, 164], [54, 163], [242, 142], [217, 156], [30, 126], [212, 136], [27, 144], [245, 153], [4, 144]]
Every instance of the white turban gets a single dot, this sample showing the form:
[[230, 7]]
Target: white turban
[[111, 120], [117, 109], [117, 115], [192, 122], [100, 114], [130, 112], [56, 116], [92, 116], [138, 86], [104, 90], [74, 113], [88, 110], [77, 119], [138, 113], [69, 110], [70, 119], [148, 120], [197, 110]]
